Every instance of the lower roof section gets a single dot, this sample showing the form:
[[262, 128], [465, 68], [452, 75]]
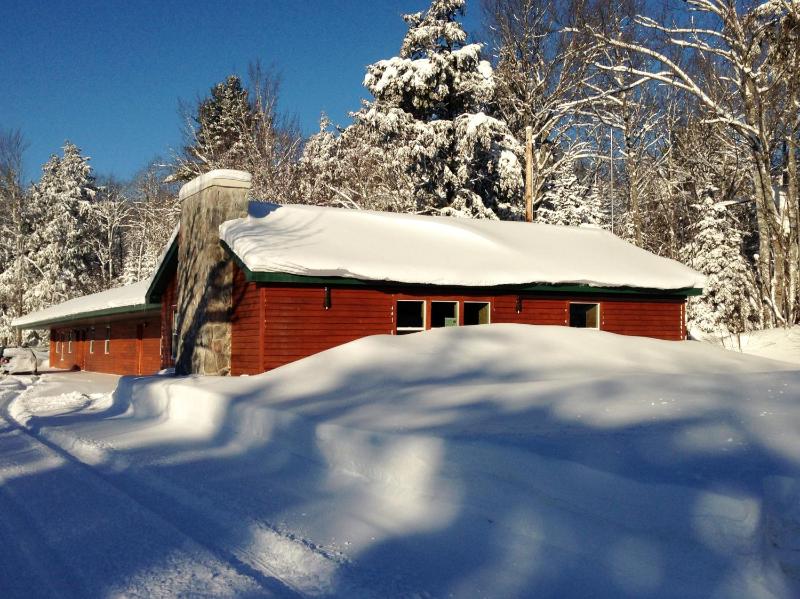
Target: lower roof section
[[128, 300]]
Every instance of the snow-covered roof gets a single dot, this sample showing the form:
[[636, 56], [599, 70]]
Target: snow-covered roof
[[403, 248], [130, 298]]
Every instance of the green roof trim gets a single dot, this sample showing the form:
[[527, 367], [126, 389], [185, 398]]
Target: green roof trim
[[166, 268], [278, 277], [137, 309]]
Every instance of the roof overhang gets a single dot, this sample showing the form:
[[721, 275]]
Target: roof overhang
[[116, 313]]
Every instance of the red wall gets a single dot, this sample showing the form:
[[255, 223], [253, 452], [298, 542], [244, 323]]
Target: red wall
[[276, 324], [132, 350]]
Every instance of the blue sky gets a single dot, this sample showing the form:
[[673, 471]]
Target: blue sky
[[107, 75]]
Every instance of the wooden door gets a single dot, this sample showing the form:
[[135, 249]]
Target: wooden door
[[139, 347], [80, 341]]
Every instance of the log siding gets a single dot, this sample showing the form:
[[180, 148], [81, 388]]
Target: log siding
[[133, 347], [275, 324]]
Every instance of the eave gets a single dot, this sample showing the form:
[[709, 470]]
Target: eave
[[90, 315]]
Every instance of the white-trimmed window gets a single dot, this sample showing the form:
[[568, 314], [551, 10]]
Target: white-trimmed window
[[91, 340], [584, 315], [107, 343], [58, 343], [477, 313], [444, 314], [69, 343], [410, 316]]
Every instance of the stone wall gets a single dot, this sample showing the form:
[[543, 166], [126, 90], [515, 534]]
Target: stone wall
[[205, 271]]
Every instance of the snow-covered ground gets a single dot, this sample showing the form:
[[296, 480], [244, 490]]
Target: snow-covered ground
[[494, 461], [776, 344]]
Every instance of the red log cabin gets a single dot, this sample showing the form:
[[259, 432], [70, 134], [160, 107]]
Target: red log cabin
[[286, 282]]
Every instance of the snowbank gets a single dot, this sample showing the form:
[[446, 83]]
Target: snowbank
[[493, 461], [384, 246], [776, 344], [24, 359], [130, 296]]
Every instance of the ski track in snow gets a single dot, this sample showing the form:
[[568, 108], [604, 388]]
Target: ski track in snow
[[69, 531]]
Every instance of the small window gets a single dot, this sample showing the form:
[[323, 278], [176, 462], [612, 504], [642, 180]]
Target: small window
[[410, 316], [477, 313], [107, 344], [69, 343], [584, 316], [444, 314], [58, 345], [91, 341]]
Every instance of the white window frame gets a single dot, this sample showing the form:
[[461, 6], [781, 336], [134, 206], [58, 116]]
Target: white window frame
[[107, 343], [488, 304], [424, 303], [458, 310], [91, 340], [69, 343], [599, 308]]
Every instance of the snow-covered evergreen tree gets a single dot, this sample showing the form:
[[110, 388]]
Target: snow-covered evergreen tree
[[221, 124], [716, 251], [62, 257], [428, 142], [434, 102], [354, 168], [570, 202]]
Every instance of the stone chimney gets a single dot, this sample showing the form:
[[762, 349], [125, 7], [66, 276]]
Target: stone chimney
[[205, 271]]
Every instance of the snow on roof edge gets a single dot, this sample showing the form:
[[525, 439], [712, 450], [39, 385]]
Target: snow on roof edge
[[373, 246], [222, 176], [129, 298]]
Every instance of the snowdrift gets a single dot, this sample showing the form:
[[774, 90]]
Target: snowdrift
[[493, 461], [23, 359]]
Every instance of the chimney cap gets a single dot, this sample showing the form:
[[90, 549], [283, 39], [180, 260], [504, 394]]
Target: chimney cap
[[222, 177]]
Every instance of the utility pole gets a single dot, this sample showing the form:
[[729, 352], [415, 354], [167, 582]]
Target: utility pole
[[611, 162], [529, 174]]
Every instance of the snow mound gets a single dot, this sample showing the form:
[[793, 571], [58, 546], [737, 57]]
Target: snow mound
[[491, 461], [404, 248], [776, 344]]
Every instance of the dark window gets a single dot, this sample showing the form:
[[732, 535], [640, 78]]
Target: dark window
[[107, 343], [444, 314], [410, 316], [584, 316], [91, 341], [476, 313]]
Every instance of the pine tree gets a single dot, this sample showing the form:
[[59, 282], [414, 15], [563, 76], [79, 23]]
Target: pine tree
[[716, 251], [569, 202], [434, 100], [428, 142], [62, 256], [218, 133]]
